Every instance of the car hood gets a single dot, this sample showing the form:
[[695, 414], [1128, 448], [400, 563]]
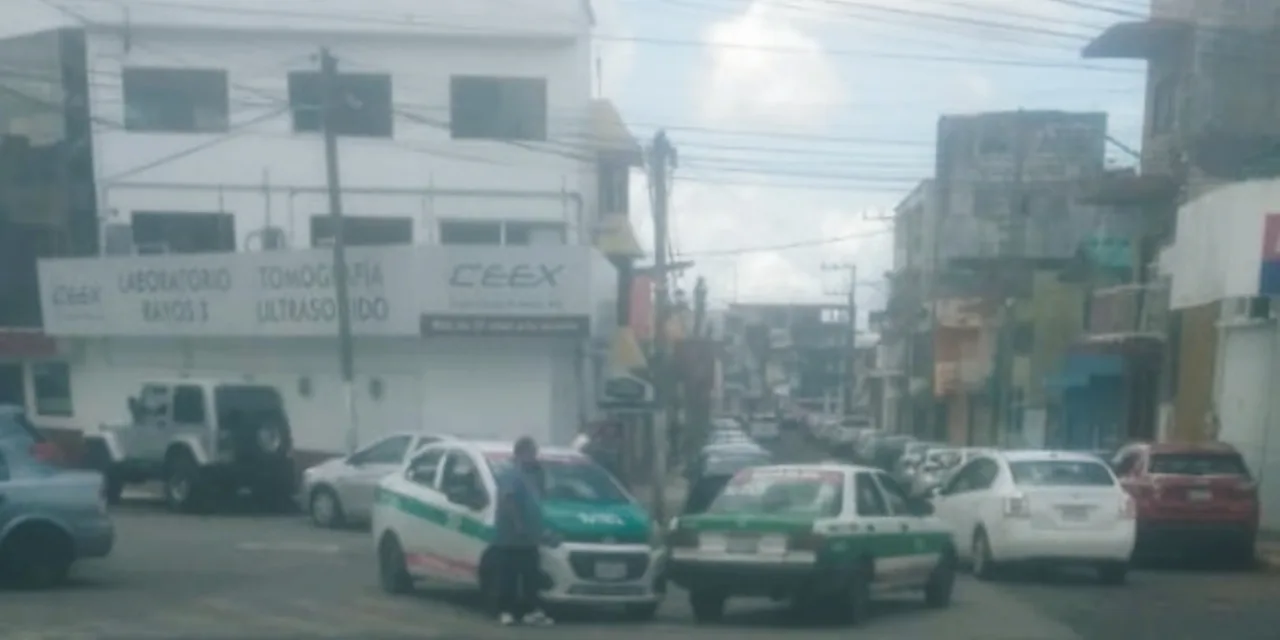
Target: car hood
[[575, 520]]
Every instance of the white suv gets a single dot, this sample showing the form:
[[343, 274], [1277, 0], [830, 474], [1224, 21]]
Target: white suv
[[1045, 507]]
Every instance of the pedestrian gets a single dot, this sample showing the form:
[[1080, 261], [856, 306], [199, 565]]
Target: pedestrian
[[519, 533]]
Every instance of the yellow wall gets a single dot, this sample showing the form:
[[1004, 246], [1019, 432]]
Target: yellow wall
[[1056, 311]]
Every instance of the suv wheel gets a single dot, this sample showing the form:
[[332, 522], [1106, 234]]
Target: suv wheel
[[182, 483]]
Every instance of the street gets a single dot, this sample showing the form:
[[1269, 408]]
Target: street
[[257, 576]]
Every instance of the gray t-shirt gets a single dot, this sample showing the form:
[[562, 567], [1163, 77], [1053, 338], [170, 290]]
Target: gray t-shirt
[[519, 518]]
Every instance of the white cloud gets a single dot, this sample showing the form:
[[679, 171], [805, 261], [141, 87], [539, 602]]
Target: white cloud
[[750, 84]]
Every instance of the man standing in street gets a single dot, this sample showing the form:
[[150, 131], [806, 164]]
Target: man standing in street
[[518, 535]]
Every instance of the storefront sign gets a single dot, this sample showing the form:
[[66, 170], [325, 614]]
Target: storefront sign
[[292, 293], [451, 325]]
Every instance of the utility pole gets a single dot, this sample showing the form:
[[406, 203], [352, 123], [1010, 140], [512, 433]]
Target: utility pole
[[331, 101], [662, 158], [1011, 269]]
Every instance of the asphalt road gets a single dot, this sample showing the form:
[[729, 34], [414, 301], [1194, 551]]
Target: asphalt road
[[178, 577]]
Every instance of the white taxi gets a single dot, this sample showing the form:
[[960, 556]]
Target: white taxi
[[1044, 507], [434, 519]]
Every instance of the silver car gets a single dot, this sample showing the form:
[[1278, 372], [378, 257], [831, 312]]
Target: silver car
[[49, 519], [340, 491]]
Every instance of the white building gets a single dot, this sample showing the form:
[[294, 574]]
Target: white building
[[1218, 257], [468, 124]]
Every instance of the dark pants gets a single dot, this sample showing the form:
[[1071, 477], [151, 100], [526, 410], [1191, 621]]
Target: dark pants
[[517, 580]]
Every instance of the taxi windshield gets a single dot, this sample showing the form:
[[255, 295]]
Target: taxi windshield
[[571, 480], [792, 492]]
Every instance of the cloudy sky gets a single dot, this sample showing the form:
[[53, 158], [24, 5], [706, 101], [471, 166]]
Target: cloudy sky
[[801, 122]]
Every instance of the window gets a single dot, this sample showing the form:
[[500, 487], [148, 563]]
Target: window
[[1199, 464], [1127, 463], [188, 405], [422, 471], [52, 382], [175, 100], [782, 491], [533, 233], [993, 142], [870, 502], [1163, 106], [153, 403], [899, 501], [497, 232], [461, 475], [1061, 473], [389, 451], [498, 108], [976, 476], [362, 104], [362, 231], [183, 232], [615, 188]]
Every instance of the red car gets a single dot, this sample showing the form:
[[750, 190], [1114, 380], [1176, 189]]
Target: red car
[[1192, 500]]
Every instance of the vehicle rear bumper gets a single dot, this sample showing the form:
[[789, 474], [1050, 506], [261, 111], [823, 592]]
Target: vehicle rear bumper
[[95, 539], [1020, 542], [1165, 534], [751, 577]]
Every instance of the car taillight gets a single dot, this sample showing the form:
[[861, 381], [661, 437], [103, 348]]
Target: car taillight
[[1017, 507], [1128, 508], [46, 452]]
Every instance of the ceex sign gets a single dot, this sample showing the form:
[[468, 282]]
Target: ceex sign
[[292, 293]]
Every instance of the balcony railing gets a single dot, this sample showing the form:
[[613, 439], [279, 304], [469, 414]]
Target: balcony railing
[[1129, 310]]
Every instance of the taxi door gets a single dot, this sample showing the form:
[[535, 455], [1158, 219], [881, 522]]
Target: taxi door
[[880, 528], [917, 547], [467, 495], [417, 518]]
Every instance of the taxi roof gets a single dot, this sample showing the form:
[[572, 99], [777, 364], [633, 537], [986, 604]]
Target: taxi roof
[[505, 447]]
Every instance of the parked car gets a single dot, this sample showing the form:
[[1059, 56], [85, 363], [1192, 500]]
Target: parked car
[[433, 519], [792, 532], [340, 491], [913, 454], [763, 427], [17, 430], [49, 518], [884, 450], [1192, 499], [204, 439], [713, 468], [1045, 507]]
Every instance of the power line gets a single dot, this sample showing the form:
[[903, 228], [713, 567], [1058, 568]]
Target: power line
[[786, 246]]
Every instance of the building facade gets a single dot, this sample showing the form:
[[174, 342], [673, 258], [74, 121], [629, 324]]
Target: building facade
[[204, 128], [782, 355]]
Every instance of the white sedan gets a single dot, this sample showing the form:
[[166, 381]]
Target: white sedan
[[340, 491], [1049, 507]]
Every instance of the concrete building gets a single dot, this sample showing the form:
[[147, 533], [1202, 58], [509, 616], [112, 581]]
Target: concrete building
[[778, 355], [1211, 118], [205, 142]]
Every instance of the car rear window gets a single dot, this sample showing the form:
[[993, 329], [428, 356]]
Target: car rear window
[[774, 491], [1061, 473], [1198, 464]]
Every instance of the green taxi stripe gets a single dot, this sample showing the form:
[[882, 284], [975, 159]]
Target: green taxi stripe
[[467, 525]]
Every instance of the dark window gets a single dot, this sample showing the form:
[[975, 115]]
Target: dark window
[[53, 388], [362, 104], [188, 405], [1198, 464], [363, 231], [869, 501], [898, 498], [498, 108], [181, 232], [1163, 106], [993, 142], [527, 233], [1061, 473], [456, 232], [975, 476], [461, 475], [175, 100], [615, 188], [389, 451], [422, 470]]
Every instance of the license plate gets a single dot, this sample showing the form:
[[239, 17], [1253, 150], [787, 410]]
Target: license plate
[[741, 545], [1199, 495], [611, 570], [1075, 514]]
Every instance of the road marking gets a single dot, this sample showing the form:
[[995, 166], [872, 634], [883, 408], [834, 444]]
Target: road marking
[[290, 547]]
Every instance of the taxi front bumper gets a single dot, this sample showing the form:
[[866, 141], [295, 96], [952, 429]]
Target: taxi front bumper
[[603, 574]]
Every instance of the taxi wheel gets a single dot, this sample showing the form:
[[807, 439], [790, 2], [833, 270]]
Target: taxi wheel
[[857, 600], [392, 574], [984, 567], [708, 606], [942, 581]]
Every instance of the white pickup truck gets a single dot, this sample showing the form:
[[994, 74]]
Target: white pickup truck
[[204, 439]]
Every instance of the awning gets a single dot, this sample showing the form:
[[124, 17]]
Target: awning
[[615, 238], [1138, 40], [610, 136], [625, 354]]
